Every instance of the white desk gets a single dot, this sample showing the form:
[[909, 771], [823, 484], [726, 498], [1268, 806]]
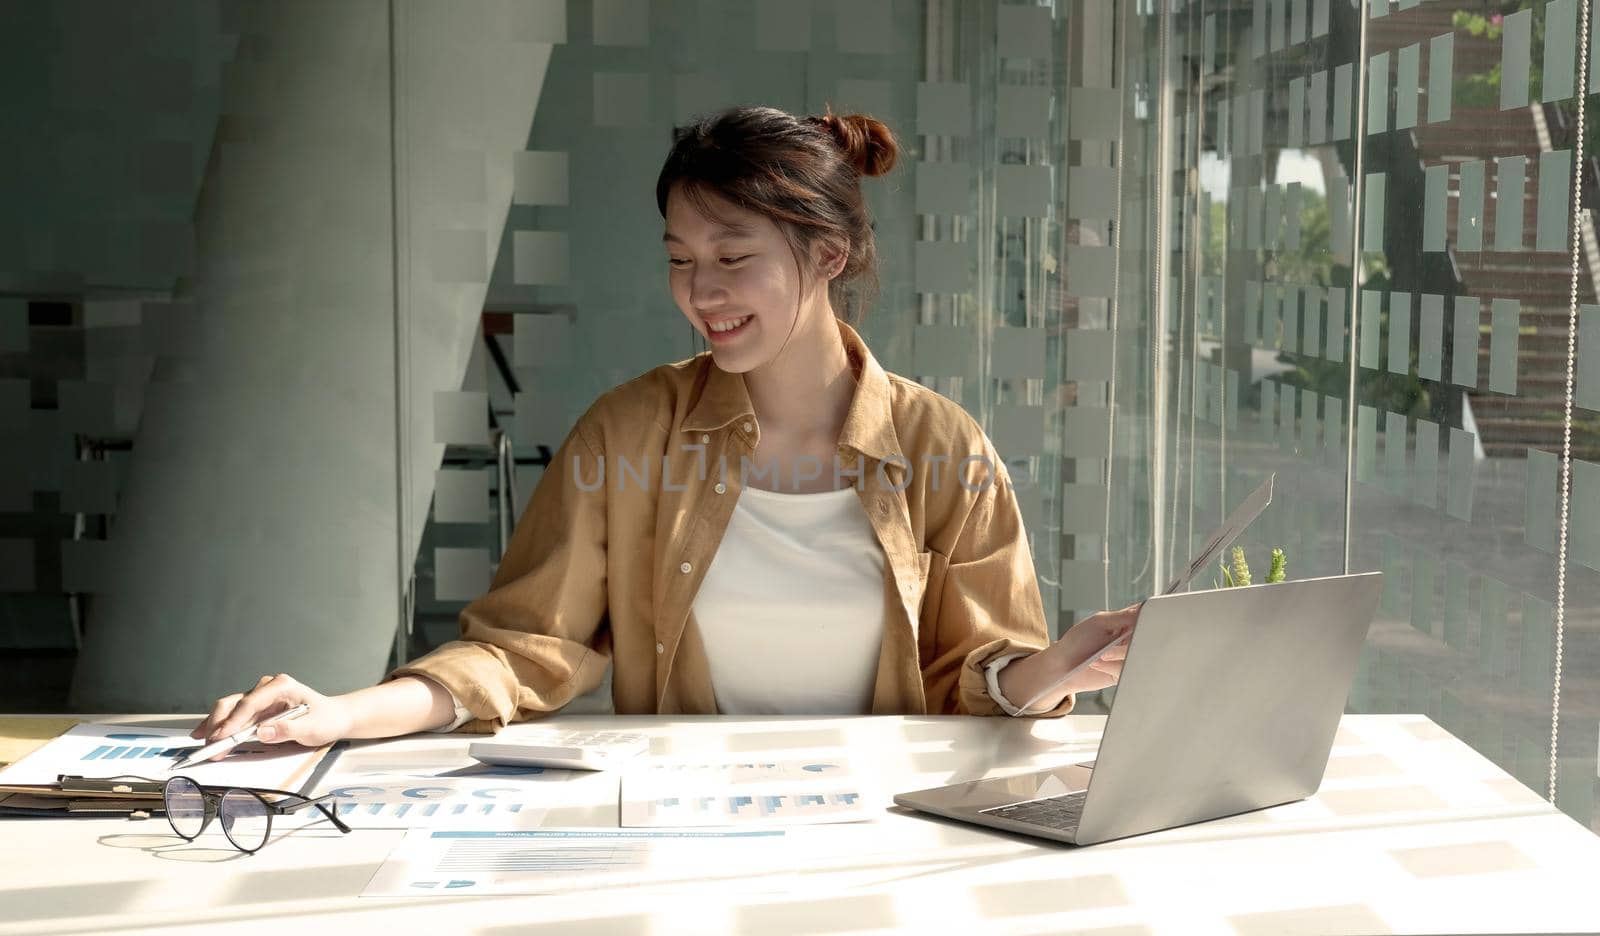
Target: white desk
[[1412, 831]]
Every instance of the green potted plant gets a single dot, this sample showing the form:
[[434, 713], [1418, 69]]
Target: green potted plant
[[1236, 574]]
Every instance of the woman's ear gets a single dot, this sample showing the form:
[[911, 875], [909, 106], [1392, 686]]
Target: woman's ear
[[829, 258]]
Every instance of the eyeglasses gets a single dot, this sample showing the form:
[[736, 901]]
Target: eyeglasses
[[246, 813]]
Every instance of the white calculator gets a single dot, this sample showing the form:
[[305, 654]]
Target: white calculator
[[573, 749]]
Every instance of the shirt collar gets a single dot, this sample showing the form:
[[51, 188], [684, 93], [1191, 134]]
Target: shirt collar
[[868, 426]]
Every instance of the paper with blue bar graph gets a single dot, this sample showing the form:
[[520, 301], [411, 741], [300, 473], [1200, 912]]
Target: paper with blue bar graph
[[464, 862], [753, 792], [102, 750], [429, 781], [471, 797]]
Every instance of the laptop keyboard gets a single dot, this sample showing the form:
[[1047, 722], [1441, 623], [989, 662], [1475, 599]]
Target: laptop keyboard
[[1053, 812]]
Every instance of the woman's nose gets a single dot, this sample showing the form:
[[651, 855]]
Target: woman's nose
[[707, 289]]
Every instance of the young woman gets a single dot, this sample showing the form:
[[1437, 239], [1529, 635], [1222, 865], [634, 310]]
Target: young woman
[[776, 525]]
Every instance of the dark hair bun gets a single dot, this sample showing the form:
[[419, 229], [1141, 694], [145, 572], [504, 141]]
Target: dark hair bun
[[868, 144]]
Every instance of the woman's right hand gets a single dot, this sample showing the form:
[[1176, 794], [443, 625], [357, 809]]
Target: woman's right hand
[[326, 719]]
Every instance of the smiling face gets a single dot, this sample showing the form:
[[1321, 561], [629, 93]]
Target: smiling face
[[737, 269]]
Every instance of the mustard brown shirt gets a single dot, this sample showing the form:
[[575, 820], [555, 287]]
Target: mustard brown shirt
[[604, 562]]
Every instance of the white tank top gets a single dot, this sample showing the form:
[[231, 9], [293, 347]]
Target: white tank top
[[792, 606]]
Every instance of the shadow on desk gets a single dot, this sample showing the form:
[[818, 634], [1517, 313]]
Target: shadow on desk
[[1249, 825], [169, 846]]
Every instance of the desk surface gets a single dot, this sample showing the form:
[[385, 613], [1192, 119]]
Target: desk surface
[[1412, 831]]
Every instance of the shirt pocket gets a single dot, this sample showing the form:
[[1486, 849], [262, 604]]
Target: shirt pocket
[[930, 569], [931, 566]]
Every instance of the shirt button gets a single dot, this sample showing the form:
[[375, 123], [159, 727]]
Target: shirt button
[[685, 568], [705, 437], [721, 488], [749, 426], [660, 649]]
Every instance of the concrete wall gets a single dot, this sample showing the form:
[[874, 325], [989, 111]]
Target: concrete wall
[[273, 502]]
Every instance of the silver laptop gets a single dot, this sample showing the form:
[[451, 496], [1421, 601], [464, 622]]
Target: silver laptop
[[1228, 702]]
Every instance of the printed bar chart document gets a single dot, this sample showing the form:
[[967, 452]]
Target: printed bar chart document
[[456, 862], [467, 797], [429, 781], [102, 750], [657, 792]]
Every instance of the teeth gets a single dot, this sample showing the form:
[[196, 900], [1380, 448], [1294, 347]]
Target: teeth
[[728, 326]]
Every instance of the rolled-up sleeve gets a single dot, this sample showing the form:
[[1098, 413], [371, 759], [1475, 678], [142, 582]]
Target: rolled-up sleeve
[[989, 607], [461, 717], [540, 636]]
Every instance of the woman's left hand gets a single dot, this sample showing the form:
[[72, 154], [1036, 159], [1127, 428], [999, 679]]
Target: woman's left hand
[[1089, 635], [1042, 678]]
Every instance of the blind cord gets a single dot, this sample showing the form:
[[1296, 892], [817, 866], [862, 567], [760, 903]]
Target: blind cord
[[1566, 421]]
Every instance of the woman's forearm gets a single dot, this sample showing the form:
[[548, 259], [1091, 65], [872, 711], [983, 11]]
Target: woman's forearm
[[1026, 677], [400, 706]]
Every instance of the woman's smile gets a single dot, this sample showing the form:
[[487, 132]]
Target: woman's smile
[[727, 329]]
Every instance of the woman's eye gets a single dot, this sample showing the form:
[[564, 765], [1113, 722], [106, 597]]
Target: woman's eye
[[735, 259], [677, 261]]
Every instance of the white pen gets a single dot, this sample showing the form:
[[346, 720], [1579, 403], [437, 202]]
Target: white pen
[[234, 740]]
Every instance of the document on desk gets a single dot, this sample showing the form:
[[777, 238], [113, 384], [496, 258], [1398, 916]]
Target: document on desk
[[465, 797], [99, 750], [22, 736], [660, 792], [453, 862]]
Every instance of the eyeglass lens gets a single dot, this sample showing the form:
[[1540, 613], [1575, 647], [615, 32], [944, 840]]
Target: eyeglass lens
[[245, 819], [186, 807]]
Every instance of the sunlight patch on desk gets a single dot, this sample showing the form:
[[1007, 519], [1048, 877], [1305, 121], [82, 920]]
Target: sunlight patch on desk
[[1066, 730], [1358, 766], [823, 915], [1464, 858], [1362, 802], [1347, 918], [322, 882], [958, 765], [1024, 898], [1298, 811], [1427, 731], [1133, 930], [914, 730], [602, 926], [786, 740], [681, 744], [1513, 790]]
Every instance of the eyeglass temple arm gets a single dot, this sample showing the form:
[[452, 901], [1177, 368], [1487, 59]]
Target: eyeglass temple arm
[[317, 802], [332, 815]]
